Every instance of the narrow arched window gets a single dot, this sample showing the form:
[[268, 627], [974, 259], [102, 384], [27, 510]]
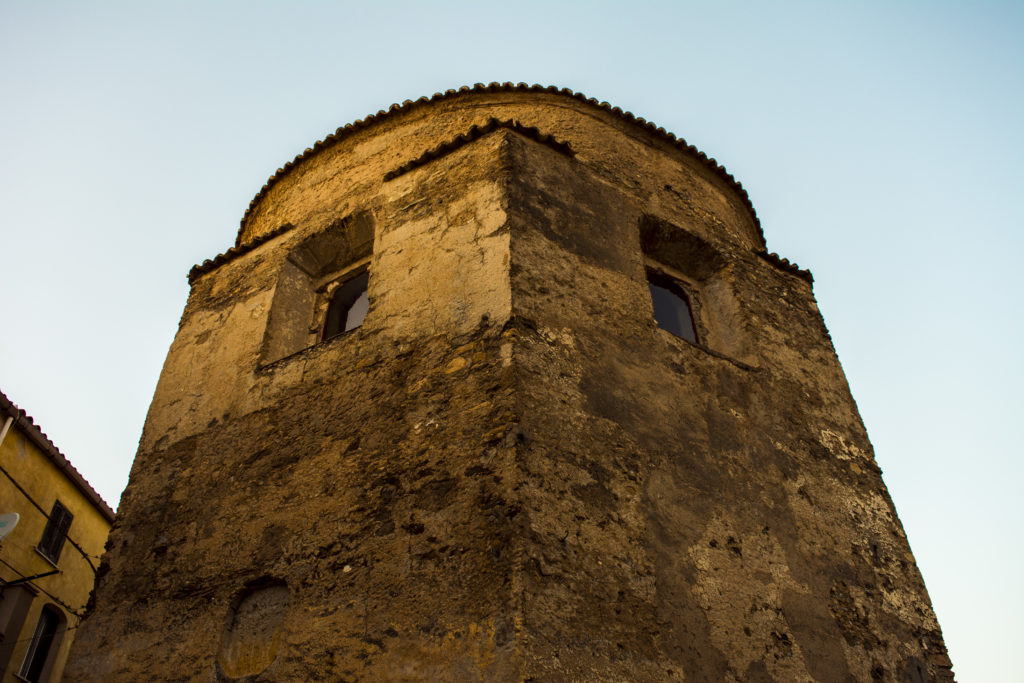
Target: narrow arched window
[[672, 309], [45, 641], [349, 304]]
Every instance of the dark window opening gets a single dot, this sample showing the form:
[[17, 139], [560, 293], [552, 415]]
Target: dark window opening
[[55, 533], [41, 645], [671, 307], [348, 306]]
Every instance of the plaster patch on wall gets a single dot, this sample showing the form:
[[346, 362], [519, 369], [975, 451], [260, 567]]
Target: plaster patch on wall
[[837, 445], [740, 585]]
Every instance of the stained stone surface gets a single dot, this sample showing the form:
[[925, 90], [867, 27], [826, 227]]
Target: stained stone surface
[[508, 472], [252, 632]]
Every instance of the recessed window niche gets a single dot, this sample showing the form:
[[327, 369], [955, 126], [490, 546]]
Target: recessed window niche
[[691, 291], [253, 630], [320, 271]]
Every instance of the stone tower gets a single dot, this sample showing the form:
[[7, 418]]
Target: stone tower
[[504, 385]]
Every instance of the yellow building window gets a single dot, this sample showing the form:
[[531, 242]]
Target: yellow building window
[[55, 532]]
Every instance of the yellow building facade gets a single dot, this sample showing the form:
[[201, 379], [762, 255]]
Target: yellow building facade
[[54, 526]]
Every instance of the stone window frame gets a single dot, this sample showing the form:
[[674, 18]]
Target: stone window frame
[[325, 290], [684, 287]]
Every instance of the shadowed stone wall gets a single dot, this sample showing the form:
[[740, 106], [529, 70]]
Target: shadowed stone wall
[[508, 472]]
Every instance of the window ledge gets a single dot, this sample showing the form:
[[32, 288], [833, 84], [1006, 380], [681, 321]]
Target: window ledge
[[320, 345], [47, 558], [711, 352]]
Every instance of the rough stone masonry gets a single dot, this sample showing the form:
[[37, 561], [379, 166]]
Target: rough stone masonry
[[507, 471]]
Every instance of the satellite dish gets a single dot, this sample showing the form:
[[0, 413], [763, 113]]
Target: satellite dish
[[7, 522]]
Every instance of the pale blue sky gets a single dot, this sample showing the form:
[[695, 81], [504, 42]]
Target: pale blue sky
[[881, 144]]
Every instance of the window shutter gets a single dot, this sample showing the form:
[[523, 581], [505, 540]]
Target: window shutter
[[55, 532]]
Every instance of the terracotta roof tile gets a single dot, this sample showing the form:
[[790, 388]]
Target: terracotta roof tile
[[24, 422], [211, 264], [407, 105], [475, 133], [786, 265]]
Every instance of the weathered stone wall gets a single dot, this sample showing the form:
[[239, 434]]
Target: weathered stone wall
[[689, 513], [508, 472]]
